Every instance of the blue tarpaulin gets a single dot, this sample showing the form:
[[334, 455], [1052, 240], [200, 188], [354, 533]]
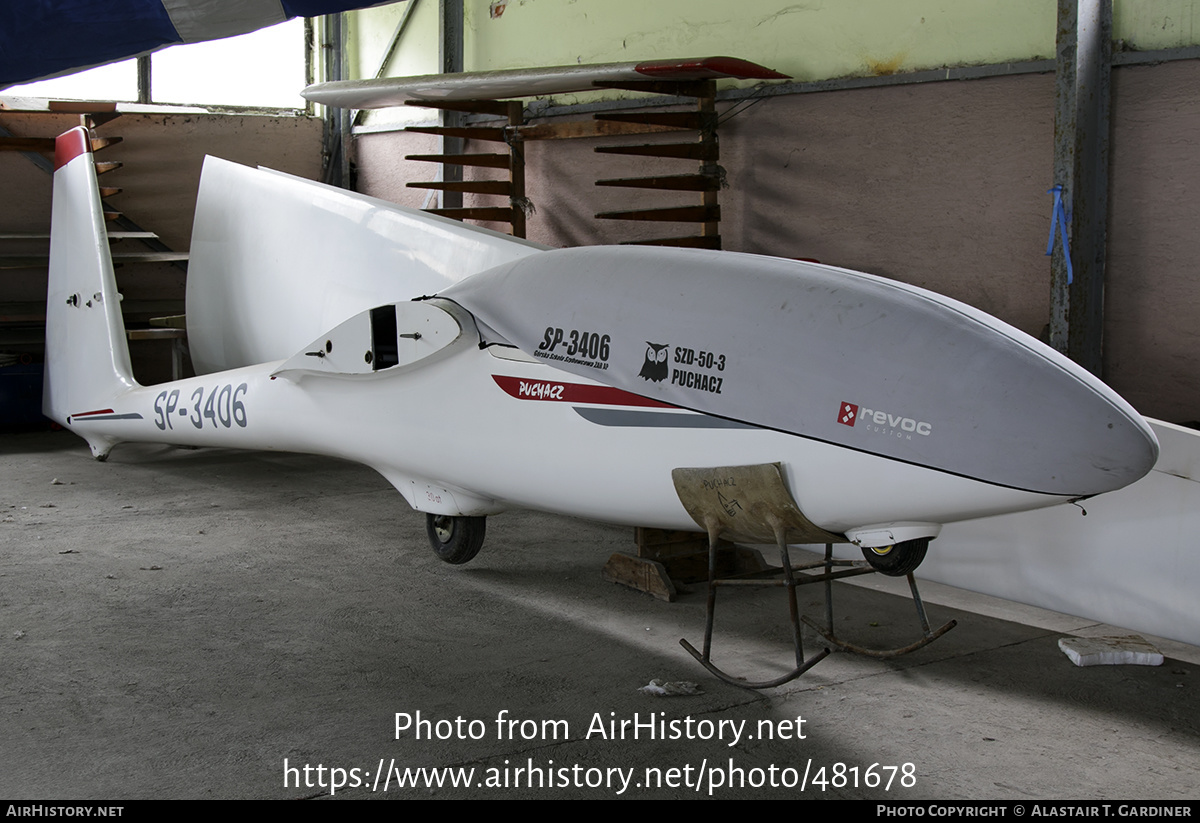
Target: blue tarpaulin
[[48, 38]]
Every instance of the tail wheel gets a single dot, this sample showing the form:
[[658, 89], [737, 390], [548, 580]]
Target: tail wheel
[[455, 539], [899, 559]]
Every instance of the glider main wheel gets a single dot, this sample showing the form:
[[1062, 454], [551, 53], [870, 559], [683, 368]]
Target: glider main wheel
[[899, 559], [455, 539]]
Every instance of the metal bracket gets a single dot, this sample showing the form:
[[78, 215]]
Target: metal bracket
[[752, 504], [748, 503]]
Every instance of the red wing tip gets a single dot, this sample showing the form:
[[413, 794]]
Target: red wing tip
[[70, 145], [705, 68]]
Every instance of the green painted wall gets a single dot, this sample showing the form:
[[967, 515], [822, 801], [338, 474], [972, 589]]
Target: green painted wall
[[812, 40]]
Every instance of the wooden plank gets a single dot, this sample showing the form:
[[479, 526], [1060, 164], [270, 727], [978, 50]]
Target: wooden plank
[[106, 166], [493, 135], [44, 145], [671, 214], [156, 334], [149, 256], [496, 214], [640, 573], [101, 143], [706, 152], [491, 161], [670, 182], [522, 207], [81, 106], [502, 187], [110, 191]]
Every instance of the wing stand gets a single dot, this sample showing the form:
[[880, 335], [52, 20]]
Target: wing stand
[[751, 504]]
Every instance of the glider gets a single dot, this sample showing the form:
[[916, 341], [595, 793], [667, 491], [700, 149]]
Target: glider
[[478, 372]]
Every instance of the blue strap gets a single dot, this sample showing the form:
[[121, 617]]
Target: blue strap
[[1059, 218]]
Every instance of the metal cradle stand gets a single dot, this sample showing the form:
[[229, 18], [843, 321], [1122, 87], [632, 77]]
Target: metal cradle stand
[[751, 504]]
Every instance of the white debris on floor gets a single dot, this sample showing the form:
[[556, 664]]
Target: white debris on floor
[[1131, 650], [672, 688]]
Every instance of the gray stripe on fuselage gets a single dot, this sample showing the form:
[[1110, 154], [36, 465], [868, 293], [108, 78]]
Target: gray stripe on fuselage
[[650, 419]]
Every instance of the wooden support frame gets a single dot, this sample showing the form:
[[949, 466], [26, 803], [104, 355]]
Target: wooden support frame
[[453, 162], [707, 180]]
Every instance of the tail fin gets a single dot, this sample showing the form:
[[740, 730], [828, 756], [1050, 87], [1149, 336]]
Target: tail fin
[[87, 358]]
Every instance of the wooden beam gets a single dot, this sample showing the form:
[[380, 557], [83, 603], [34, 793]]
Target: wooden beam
[[491, 161], [493, 135], [496, 214], [670, 182], [45, 145], [502, 187], [683, 151], [671, 214]]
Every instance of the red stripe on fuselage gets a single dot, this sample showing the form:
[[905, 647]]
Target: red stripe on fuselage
[[70, 145], [89, 414], [556, 391]]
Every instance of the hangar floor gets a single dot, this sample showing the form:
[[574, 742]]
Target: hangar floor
[[206, 623]]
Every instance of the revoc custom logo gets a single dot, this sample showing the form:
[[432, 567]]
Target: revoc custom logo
[[882, 422], [848, 414]]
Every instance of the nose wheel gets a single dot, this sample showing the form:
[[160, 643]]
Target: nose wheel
[[455, 539], [898, 559]]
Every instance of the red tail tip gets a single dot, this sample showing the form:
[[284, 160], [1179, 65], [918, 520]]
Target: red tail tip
[[70, 145]]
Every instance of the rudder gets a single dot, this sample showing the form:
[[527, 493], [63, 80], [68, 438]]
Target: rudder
[[87, 357]]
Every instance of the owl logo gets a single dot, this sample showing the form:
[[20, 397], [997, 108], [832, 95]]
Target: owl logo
[[655, 367]]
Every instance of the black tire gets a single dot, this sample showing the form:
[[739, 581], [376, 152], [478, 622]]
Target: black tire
[[455, 540], [898, 559]]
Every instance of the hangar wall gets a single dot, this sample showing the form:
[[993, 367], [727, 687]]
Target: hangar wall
[[810, 41], [940, 184], [162, 155]]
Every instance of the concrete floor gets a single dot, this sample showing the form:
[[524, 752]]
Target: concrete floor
[[179, 623]]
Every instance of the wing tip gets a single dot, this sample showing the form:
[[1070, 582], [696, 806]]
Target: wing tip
[[709, 67]]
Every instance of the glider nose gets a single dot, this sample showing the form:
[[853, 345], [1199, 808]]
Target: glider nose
[[1126, 448]]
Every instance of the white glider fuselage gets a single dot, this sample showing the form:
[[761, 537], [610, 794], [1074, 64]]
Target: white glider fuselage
[[475, 433], [498, 392]]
